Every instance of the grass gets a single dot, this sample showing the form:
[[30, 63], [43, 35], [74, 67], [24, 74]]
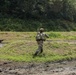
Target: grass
[[20, 46]]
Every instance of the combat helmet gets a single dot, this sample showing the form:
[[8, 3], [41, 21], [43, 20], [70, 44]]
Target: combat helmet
[[41, 29]]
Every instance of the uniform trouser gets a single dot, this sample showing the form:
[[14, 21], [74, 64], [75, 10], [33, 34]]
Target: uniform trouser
[[40, 47]]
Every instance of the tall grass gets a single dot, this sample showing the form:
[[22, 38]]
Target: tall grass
[[22, 46]]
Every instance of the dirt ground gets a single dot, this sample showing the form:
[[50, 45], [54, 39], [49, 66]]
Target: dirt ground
[[48, 68]]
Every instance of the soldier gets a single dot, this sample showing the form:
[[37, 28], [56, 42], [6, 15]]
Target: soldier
[[40, 38]]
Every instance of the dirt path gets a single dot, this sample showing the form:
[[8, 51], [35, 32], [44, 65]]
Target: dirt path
[[22, 68], [63, 41]]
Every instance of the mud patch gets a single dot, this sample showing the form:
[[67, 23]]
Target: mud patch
[[49, 68]]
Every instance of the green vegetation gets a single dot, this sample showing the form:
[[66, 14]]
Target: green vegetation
[[21, 46], [15, 24], [27, 15], [30, 15]]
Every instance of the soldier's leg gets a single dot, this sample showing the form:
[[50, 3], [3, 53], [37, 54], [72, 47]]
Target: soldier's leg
[[41, 49], [36, 53], [38, 50], [41, 46]]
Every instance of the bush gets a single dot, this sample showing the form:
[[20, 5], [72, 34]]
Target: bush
[[11, 24]]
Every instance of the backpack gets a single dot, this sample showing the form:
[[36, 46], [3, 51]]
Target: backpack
[[40, 36]]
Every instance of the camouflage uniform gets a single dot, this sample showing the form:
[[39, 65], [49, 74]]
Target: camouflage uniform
[[40, 42]]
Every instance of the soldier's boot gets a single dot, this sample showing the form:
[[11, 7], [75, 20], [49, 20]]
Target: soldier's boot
[[36, 53]]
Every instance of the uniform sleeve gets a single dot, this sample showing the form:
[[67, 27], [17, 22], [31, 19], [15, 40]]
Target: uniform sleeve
[[46, 35]]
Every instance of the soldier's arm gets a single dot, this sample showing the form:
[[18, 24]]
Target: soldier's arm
[[46, 35]]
